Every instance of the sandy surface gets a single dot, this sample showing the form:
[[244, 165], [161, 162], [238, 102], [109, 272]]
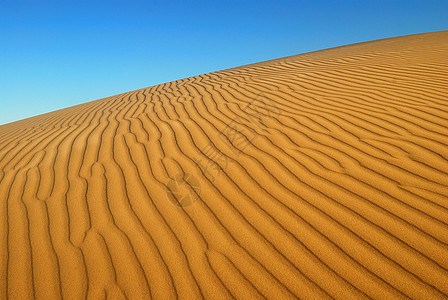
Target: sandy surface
[[315, 176]]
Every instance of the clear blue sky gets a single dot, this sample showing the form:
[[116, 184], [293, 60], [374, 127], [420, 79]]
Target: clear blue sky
[[55, 54]]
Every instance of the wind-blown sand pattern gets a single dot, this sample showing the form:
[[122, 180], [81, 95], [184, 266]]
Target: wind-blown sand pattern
[[321, 175]]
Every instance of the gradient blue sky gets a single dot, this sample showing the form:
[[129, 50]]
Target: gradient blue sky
[[55, 54]]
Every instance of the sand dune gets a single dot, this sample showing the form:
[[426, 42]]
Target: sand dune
[[321, 175]]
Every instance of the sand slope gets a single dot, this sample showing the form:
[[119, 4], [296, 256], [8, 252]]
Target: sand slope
[[315, 176]]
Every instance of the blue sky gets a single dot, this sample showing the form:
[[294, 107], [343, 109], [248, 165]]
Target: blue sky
[[55, 54]]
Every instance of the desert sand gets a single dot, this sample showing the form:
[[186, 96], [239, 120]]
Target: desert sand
[[320, 175]]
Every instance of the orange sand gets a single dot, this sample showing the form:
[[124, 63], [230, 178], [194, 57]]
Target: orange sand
[[315, 176]]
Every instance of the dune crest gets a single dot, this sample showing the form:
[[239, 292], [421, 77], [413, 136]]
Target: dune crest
[[321, 175]]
